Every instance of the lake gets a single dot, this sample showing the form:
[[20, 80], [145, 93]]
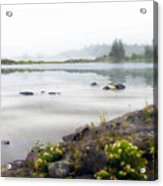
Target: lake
[[24, 119]]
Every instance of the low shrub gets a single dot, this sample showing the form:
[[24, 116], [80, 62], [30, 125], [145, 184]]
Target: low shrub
[[124, 162], [47, 153]]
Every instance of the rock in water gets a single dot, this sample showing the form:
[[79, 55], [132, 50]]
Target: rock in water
[[106, 88], [26, 93], [120, 86], [59, 169], [5, 142], [112, 86], [94, 84], [54, 93]]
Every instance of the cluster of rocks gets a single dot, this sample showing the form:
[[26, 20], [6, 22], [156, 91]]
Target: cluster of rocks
[[30, 93], [111, 86]]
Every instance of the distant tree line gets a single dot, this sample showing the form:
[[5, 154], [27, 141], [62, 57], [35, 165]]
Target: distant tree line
[[7, 61], [117, 53]]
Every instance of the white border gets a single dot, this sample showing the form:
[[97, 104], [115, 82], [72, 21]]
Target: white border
[[43, 182]]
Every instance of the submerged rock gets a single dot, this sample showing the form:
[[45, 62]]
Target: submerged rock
[[43, 91], [54, 93], [94, 84], [26, 93]]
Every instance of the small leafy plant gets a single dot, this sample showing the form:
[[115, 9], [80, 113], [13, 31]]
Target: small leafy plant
[[124, 162], [103, 119], [48, 153], [113, 125], [126, 123], [147, 112]]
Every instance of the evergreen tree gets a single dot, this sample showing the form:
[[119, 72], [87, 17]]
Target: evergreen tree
[[117, 50]]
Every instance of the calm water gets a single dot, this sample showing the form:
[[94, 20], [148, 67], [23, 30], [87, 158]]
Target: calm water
[[48, 118]]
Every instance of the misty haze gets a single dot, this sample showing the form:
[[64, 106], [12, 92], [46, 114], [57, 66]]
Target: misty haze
[[68, 72]]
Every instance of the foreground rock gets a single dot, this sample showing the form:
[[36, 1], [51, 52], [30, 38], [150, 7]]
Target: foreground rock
[[84, 150], [78, 134], [60, 169]]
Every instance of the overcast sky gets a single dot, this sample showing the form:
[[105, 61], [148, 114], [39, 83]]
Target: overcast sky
[[51, 29]]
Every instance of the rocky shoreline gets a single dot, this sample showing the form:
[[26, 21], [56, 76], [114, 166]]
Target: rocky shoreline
[[107, 151]]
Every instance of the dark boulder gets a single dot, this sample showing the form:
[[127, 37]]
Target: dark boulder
[[83, 129], [26, 93], [120, 86], [91, 159], [60, 169], [106, 88], [71, 137], [78, 134], [94, 84]]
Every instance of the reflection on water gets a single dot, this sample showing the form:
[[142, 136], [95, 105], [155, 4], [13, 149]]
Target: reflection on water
[[113, 72], [48, 118]]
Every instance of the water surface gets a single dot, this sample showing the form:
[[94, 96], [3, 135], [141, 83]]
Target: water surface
[[48, 118]]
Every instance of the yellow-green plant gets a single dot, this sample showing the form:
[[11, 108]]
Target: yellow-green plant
[[124, 162], [113, 124], [103, 119], [50, 153], [126, 123], [147, 112]]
